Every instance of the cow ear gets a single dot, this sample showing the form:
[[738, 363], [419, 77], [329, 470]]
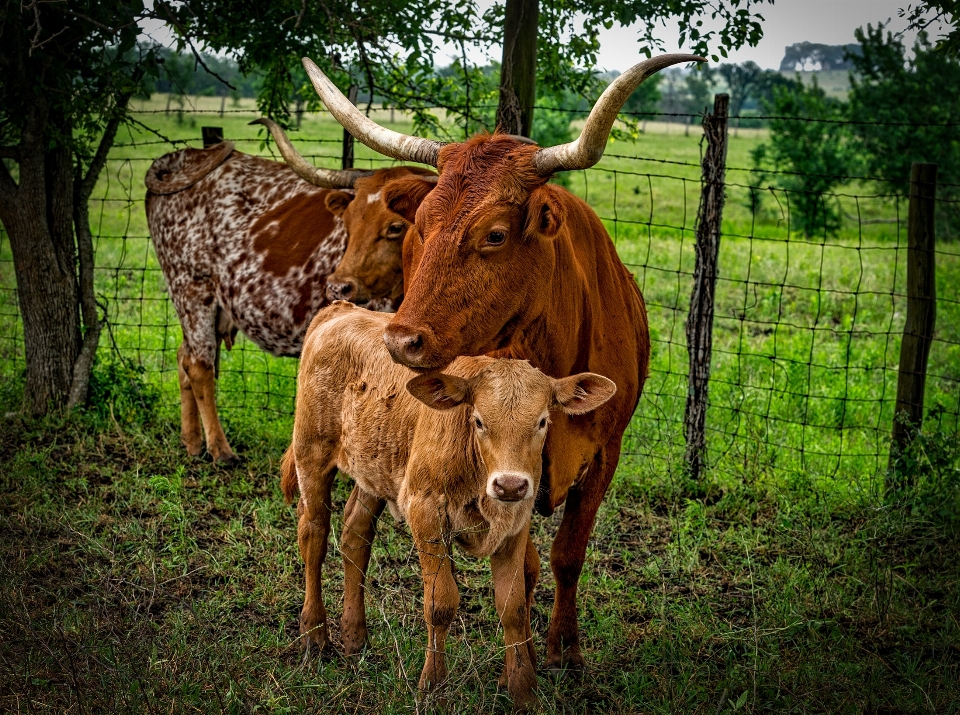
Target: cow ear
[[337, 202], [546, 212], [405, 195], [439, 391], [582, 393]]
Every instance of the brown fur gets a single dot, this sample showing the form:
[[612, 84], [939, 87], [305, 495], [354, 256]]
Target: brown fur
[[436, 448], [371, 267], [555, 293], [288, 476], [245, 244]]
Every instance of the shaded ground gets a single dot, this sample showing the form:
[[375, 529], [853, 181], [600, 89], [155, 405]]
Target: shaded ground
[[136, 580]]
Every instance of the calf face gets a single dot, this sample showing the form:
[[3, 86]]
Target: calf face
[[511, 402]]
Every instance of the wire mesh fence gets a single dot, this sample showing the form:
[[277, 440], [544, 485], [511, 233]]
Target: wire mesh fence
[[807, 326]]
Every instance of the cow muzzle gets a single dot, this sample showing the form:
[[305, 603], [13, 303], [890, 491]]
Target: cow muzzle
[[410, 347], [509, 487], [342, 289]]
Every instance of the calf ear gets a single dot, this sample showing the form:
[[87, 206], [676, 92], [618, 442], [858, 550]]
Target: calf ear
[[545, 212], [439, 391], [405, 195], [337, 202], [582, 393]]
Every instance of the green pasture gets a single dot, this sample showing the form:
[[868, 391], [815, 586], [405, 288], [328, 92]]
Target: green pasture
[[807, 327], [134, 579]]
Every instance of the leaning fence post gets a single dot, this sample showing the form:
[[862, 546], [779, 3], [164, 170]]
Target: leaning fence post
[[211, 136], [347, 161], [700, 319], [921, 312]]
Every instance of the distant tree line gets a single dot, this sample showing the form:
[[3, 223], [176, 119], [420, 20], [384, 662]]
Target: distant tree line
[[900, 110], [812, 56]]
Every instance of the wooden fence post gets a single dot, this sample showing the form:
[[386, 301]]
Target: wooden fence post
[[921, 313], [700, 318], [347, 159], [211, 136]]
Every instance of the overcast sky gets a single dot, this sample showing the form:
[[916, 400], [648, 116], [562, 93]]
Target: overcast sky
[[830, 22]]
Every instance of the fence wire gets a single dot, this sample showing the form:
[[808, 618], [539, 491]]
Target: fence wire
[[806, 331]]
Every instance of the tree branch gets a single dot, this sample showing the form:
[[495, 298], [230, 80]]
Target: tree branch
[[83, 188], [171, 18], [106, 141], [8, 187]]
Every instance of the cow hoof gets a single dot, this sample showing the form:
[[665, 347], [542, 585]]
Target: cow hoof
[[226, 459], [315, 651], [572, 667], [353, 648]]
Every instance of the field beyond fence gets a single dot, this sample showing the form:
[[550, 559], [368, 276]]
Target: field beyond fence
[[807, 328], [782, 582]]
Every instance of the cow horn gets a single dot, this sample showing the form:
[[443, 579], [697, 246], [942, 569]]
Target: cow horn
[[386, 141], [324, 178], [588, 149]]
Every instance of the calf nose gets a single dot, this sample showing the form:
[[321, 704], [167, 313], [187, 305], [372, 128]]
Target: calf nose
[[341, 290], [405, 345], [510, 487]]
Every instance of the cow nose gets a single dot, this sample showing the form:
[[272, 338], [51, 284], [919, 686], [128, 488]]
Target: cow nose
[[341, 290], [405, 345], [510, 487]]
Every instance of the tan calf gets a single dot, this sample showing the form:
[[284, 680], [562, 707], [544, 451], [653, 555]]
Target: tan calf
[[456, 455]]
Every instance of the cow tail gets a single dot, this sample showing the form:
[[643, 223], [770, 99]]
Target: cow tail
[[289, 483]]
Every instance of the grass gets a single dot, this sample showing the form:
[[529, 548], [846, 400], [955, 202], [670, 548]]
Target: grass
[[136, 580]]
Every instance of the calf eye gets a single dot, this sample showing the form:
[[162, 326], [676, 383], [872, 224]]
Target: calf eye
[[496, 238]]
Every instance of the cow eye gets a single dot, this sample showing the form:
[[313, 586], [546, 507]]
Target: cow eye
[[543, 423], [395, 230], [478, 423], [496, 238]]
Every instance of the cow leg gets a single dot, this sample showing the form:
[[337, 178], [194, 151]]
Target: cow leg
[[359, 528], [203, 386], [190, 433], [440, 595], [568, 554], [316, 479], [513, 606]]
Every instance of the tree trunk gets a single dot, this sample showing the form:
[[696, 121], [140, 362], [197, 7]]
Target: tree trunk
[[518, 73], [38, 216], [40, 226]]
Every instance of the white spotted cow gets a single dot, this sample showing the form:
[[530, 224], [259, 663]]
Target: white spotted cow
[[248, 244]]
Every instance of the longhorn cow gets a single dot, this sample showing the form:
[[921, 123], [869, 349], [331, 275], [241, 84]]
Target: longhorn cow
[[505, 264], [250, 244]]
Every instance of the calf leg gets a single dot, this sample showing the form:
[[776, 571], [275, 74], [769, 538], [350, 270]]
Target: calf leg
[[510, 589], [440, 595], [200, 374], [531, 574], [313, 531], [568, 554], [359, 528], [190, 433]]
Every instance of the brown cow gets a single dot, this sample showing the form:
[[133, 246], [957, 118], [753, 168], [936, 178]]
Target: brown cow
[[244, 243], [456, 455], [508, 264]]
